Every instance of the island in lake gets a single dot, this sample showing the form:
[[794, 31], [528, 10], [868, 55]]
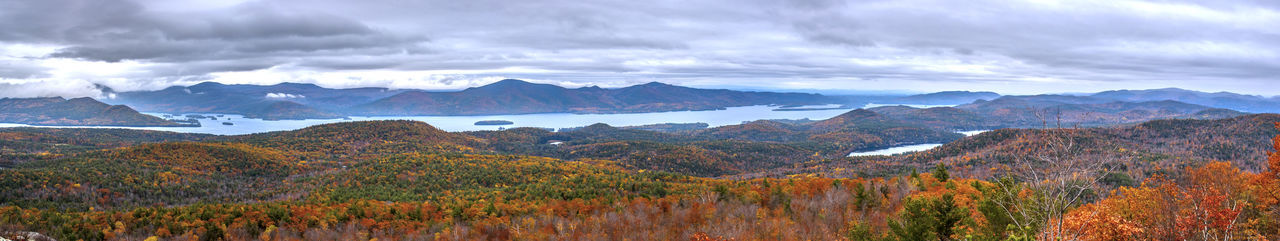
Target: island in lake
[[494, 123]]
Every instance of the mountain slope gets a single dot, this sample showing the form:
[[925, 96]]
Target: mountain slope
[[57, 111], [852, 131], [1227, 100], [358, 140], [519, 97], [1040, 111], [280, 101], [947, 98]]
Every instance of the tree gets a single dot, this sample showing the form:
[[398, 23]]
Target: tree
[[1039, 190], [929, 219], [915, 223], [940, 172], [948, 216]]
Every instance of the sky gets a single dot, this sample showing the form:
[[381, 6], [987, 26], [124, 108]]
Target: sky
[[76, 47]]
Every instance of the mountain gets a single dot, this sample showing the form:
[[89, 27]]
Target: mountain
[[1139, 150], [354, 140], [56, 111], [1226, 100], [1038, 111], [947, 98], [280, 101], [1243, 140], [308, 101], [519, 97], [394, 180], [1054, 110], [948, 118]]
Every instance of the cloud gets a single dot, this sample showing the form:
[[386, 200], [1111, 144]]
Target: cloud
[[284, 96], [50, 89], [1012, 46]]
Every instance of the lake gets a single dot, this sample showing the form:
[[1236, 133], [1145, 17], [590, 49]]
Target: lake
[[874, 105], [911, 148], [728, 116], [896, 150]]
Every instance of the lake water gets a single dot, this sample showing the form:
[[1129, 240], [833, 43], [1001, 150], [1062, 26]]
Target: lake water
[[874, 105], [972, 133], [727, 116], [896, 150], [911, 148]]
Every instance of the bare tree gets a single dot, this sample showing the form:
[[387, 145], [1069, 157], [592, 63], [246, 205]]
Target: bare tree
[[1040, 188]]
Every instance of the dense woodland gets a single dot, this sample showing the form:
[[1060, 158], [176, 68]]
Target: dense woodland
[[1181, 179], [56, 111]]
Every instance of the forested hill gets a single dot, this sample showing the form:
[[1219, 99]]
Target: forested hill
[[308, 101], [518, 97], [1043, 111], [396, 180], [1142, 150], [56, 111]]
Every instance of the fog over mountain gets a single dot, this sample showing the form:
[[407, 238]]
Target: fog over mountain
[[76, 48]]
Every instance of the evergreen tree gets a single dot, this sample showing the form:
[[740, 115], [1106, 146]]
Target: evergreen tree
[[940, 172]]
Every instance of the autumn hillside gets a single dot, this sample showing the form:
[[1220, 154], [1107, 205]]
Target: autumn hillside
[[406, 180], [362, 139]]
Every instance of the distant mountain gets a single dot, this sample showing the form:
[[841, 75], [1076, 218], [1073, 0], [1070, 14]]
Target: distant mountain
[[947, 98], [56, 111], [519, 97], [511, 96], [1227, 100], [281, 101], [852, 131], [306, 101], [1242, 140], [1050, 111]]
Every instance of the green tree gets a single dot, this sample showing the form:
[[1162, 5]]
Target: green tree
[[940, 172], [915, 223], [928, 219]]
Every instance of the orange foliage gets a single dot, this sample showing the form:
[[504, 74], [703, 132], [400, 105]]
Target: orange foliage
[[1209, 206]]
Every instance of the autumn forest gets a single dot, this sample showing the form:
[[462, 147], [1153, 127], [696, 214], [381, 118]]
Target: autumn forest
[[1175, 179]]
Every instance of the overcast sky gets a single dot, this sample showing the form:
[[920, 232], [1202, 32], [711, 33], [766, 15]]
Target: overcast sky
[[67, 47]]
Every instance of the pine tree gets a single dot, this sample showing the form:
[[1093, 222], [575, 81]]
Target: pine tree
[[940, 172]]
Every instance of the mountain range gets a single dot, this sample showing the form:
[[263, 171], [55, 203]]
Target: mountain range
[[511, 96], [341, 181], [519, 97], [56, 111], [1042, 111], [307, 101], [1226, 100], [973, 110]]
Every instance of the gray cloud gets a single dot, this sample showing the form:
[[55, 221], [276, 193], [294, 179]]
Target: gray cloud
[[1004, 45], [18, 69]]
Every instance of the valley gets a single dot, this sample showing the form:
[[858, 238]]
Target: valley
[[833, 172]]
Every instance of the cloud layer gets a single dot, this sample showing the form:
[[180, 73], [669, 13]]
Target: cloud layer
[[70, 47]]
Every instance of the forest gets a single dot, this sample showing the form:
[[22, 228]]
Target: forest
[[1177, 179]]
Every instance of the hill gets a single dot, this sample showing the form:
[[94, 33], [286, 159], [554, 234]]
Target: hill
[[150, 174], [852, 131], [56, 111], [946, 98], [26, 144], [363, 139], [1141, 150], [519, 97], [1041, 111], [1225, 100], [398, 180], [280, 101], [308, 101]]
